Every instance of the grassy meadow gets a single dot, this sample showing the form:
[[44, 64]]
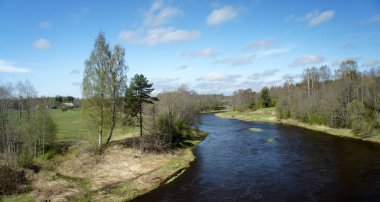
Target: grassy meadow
[[71, 125]]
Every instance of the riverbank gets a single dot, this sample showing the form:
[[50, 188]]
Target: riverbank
[[79, 172], [119, 173], [269, 115]]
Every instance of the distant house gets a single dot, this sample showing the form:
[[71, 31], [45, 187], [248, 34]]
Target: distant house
[[68, 104]]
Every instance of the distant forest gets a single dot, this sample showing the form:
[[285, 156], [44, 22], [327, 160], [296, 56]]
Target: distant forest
[[345, 98]]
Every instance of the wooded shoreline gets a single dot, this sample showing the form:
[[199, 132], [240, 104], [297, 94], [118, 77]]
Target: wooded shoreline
[[269, 115]]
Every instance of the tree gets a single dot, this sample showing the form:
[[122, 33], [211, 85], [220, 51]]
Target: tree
[[103, 85], [347, 99], [26, 129], [117, 80], [58, 98], [138, 94], [69, 98], [244, 99], [265, 99], [174, 117]]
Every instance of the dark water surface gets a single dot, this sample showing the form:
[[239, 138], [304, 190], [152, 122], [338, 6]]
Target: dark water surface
[[235, 164]]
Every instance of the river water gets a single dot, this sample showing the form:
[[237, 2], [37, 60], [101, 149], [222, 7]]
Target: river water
[[236, 164]]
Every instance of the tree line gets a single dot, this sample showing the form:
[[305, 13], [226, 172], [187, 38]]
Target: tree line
[[347, 98], [26, 130], [246, 99]]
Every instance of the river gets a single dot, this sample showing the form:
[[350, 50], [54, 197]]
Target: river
[[278, 163]]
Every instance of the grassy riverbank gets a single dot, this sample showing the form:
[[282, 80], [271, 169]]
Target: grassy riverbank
[[78, 172], [269, 115], [260, 115]]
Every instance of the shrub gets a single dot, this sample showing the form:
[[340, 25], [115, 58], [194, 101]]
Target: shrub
[[65, 108], [316, 119], [11, 181]]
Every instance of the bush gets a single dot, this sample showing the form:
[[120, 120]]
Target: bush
[[50, 153], [65, 108], [361, 121], [362, 128], [316, 119], [11, 181]]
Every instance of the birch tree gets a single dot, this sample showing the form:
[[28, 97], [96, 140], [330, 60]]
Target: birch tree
[[103, 85]]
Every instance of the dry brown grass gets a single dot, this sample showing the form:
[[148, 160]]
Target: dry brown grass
[[119, 173]]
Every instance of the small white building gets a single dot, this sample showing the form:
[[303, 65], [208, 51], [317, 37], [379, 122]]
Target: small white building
[[68, 104]]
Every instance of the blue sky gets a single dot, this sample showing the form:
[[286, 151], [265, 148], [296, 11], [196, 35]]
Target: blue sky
[[211, 46]]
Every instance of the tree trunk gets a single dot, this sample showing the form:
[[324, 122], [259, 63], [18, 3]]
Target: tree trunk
[[141, 132], [100, 136], [101, 122], [113, 119]]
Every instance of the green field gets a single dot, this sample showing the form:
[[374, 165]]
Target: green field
[[71, 125]]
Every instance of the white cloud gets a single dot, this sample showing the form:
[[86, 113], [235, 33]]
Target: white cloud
[[371, 63], [263, 75], [225, 88], [337, 62], [161, 84], [76, 83], [159, 14], [314, 17], [375, 18], [180, 69], [183, 68], [323, 17], [42, 44], [45, 24], [207, 52], [238, 60], [274, 51], [221, 15], [216, 82], [265, 43], [75, 71], [218, 77], [9, 67], [307, 60], [158, 35], [78, 15], [160, 81]]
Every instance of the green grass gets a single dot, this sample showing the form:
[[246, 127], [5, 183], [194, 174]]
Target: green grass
[[17, 198], [71, 125], [260, 115]]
